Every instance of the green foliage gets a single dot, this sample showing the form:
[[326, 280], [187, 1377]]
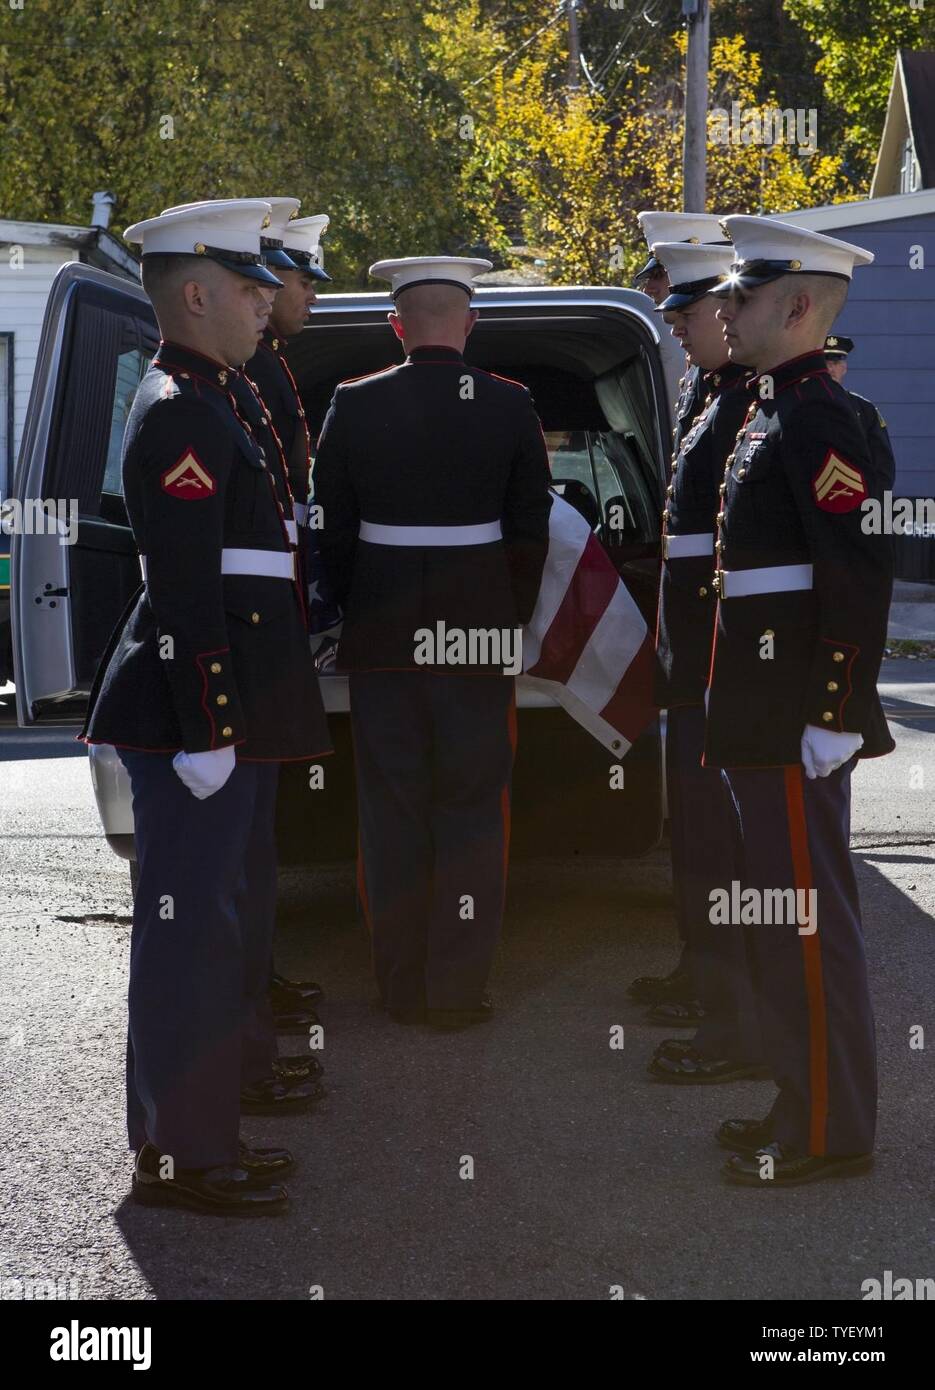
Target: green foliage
[[858, 43], [432, 127]]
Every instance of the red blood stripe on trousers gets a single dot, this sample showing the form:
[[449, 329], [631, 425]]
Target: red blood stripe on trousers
[[592, 587]]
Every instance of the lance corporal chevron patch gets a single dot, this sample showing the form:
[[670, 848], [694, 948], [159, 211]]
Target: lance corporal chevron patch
[[188, 478], [838, 486]]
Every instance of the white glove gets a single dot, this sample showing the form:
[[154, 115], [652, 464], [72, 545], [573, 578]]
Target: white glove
[[205, 773], [824, 751]]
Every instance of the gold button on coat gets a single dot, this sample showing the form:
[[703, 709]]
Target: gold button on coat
[[222, 700], [254, 617], [227, 731], [832, 685], [827, 716], [702, 592], [215, 668], [838, 656]]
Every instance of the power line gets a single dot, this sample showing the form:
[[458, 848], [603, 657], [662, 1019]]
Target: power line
[[510, 56]]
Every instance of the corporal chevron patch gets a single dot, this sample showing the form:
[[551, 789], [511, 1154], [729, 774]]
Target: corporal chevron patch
[[188, 478], [838, 486]]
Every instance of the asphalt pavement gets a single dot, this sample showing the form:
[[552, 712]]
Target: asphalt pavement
[[586, 1175]]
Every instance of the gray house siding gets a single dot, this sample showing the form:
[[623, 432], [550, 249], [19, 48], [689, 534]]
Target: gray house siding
[[890, 314]]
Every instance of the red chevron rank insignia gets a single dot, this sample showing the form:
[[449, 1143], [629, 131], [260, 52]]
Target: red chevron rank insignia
[[838, 486], [188, 478]]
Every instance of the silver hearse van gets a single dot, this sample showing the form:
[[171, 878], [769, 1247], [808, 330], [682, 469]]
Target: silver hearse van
[[602, 370]]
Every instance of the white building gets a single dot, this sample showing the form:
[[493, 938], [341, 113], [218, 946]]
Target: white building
[[30, 255]]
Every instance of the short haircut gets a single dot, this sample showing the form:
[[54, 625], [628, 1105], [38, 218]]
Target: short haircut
[[431, 301], [827, 293], [161, 274]]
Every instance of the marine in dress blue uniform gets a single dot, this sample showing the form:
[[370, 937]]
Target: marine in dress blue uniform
[[702, 832], [673, 996], [206, 687], [694, 227], [804, 595], [294, 248], [269, 1080], [838, 348], [433, 481], [267, 374]]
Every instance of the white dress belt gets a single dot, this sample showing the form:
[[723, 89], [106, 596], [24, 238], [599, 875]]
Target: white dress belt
[[272, 564], [301, 512], [697, 543], [292, 530], [481, 534], [772, 579]]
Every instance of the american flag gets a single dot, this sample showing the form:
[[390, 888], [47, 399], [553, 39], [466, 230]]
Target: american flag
[[587, 644], [323, 612]]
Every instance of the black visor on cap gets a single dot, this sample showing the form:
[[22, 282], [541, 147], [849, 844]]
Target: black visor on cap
[[687, 293], [651, 265], [273, 254], [241, 262], [749, 274], [303, 261]]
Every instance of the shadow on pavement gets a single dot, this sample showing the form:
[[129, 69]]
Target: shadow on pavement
[[585, 1173]]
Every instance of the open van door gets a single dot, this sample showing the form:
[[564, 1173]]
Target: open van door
[[73, 562]]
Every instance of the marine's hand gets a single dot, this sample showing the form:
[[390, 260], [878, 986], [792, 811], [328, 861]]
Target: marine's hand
[[824, 751], [205, 773]]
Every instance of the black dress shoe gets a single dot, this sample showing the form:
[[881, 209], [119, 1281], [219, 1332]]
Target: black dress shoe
[[460, 1018], [682, 1064], [656, 989], [223, 1191], [289, 995], [297, 1068], [676, 1015], [295, 1020], [744, 1136], [273, 1096], [264, 1163], [791, 1168]]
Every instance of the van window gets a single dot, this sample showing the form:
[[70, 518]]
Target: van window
[[131, 368]]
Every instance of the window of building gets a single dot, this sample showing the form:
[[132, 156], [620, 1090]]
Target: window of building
[[910, 178]]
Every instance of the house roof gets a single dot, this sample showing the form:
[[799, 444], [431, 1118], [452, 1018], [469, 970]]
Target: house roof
[[910, 110], [919, 79], [864, 211], [93, 244]]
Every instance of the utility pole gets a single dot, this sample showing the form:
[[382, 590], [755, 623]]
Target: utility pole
[[574, 47], [694, 150]]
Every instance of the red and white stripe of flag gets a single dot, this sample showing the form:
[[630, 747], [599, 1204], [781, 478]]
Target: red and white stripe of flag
[[587, 644]]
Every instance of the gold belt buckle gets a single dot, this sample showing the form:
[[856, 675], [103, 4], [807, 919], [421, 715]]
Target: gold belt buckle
[[665, 547], [719, 585]]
